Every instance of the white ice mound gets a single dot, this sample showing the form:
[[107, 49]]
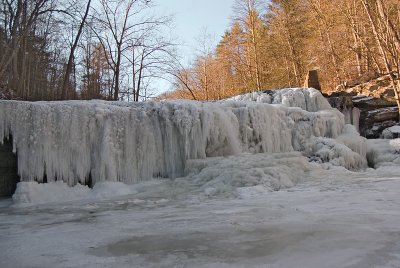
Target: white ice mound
[[230, 175], [330, 151], [33, 193], [78, 141]]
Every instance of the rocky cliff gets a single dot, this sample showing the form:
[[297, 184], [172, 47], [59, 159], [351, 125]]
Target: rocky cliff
[[373, 100]]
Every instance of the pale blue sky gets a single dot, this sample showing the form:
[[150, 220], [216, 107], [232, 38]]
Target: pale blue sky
[[191, 17]]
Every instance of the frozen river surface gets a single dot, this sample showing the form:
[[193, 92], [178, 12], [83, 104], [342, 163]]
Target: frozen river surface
[[331, 218]]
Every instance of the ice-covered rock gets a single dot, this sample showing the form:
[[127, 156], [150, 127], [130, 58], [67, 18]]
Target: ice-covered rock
[[94, 141], [391, 132], [374, 96], [307, 99]]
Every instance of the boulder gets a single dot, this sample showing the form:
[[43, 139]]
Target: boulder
[[373, 95]]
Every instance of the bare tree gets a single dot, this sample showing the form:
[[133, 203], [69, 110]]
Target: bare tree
[[150, 56], [19, 18], [28, 54], [68, 69], [123, 23]]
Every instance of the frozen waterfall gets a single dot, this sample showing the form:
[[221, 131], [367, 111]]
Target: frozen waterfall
[[132, 142]]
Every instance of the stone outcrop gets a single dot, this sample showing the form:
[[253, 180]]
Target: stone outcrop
[[373, 100], [375, 116], [379, 88]]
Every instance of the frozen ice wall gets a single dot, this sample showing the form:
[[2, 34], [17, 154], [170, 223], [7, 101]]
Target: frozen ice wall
[[131, 142]]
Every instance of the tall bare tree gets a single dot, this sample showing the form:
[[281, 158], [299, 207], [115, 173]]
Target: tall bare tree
[[68, 69]]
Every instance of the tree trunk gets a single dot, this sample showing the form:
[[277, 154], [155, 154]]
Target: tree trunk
[[68, 70], [140, 78]]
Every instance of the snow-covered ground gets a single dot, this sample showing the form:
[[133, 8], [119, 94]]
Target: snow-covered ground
[[331, 218], [271, 179]]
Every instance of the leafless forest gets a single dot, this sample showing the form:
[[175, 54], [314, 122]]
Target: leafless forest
[[115, 50]]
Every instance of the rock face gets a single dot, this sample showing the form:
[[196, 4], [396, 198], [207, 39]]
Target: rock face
[[375, 118], [379, 88], [8, 170], [373, 100]]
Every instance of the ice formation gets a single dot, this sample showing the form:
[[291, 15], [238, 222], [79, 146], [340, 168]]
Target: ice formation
[[226, 175], [348, 150], [383, 152], [78, 141]]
